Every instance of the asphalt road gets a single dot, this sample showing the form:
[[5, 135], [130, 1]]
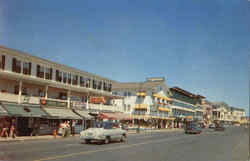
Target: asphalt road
[[230, 145]]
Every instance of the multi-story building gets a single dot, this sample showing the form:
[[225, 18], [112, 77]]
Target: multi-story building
[[147, 102], [26, 79], [225, 114], [208, 112], [237, 114], [186, 105]]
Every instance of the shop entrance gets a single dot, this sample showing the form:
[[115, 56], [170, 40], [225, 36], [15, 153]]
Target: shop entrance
[[23, 126]]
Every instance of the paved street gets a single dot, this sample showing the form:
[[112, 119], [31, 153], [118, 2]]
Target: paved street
[[157, 146]]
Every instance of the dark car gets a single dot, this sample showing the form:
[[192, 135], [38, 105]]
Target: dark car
[[211, 126], [219, 127], [192, 129]]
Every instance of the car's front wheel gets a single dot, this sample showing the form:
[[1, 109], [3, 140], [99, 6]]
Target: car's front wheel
[[107, 140], [123, 138]]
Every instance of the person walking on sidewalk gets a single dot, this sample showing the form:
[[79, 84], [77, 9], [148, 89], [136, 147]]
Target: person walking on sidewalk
[[73, 127], [5, 129], [13, 129]]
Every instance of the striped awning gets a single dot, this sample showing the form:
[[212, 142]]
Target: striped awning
[[24, 110], [61, 113], [84, 114], [3, 112]]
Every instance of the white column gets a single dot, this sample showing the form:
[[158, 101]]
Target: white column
[[87, 104], [20, 91], [46, 92], [21, 66], [68, 98]]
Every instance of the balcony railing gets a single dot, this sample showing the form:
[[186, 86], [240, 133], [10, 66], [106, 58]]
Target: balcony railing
[[102, 107], [15, 98]]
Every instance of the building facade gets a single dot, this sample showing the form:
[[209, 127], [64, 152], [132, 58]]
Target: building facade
[[186, 106], [148, 102], [27, 81]]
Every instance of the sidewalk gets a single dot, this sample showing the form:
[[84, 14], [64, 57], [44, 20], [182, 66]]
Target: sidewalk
[[46, 137]]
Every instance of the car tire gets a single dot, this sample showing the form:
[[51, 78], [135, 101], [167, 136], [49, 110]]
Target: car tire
[[123, 138], [87, 141], [107, 140]]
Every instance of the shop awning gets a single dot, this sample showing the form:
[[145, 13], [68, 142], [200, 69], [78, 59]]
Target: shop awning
[[24, 110], [164, 109], [61, 113], [112, 116], [3, 112], [84, 114]]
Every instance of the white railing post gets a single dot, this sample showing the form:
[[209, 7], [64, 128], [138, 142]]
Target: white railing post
[[20, 91]]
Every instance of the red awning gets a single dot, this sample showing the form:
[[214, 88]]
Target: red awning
[[115, 116], [111, 116]]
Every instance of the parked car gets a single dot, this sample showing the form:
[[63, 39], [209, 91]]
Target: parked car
[[219, 127], [211, 126], [105, 132], [192, 128]]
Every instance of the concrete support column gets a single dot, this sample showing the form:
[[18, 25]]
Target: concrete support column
[[68, 98], [87, 103], [20, 91], [46, 91]]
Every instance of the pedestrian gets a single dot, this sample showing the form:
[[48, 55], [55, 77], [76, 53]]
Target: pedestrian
[[13, 129], [73, 128], [5, 129], [64, 127]]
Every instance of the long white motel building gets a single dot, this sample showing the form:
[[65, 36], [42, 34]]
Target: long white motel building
[[27, 81]]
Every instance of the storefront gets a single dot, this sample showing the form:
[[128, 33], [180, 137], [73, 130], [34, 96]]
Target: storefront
[[85, 122], [27, 117], [57, 115]]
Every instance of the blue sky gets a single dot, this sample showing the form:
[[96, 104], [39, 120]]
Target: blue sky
[[200, 46]]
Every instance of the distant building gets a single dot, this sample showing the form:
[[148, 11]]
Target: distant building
[[147, 102], [186, 105]]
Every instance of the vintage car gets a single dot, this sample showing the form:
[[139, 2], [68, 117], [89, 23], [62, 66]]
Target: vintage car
[[219, 127], [192, 128], [211, 126], [104, 132]]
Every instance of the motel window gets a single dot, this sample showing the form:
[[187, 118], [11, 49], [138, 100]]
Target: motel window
[[69, 78], [110, 87], [104, 86], [47, 73], [82, 81], [75, 80], [2, 61], [40, 71], [94, 84], [26, 68], [58, 76], [16, 65], [65, 77], [99, 85], [88, 83]]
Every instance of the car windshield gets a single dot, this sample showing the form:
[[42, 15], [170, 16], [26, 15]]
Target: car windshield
[[105, 125]]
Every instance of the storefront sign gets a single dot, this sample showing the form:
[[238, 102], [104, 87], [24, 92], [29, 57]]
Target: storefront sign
[[53, 103]]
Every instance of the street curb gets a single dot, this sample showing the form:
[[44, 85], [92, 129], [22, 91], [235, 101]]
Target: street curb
[[50, 137]]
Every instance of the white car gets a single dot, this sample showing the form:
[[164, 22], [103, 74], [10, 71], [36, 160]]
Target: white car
[[105, 133]]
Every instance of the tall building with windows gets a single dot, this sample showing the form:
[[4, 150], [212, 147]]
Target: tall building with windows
[[147, 102]]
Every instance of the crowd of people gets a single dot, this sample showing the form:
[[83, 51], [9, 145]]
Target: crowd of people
[[66, 128]]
